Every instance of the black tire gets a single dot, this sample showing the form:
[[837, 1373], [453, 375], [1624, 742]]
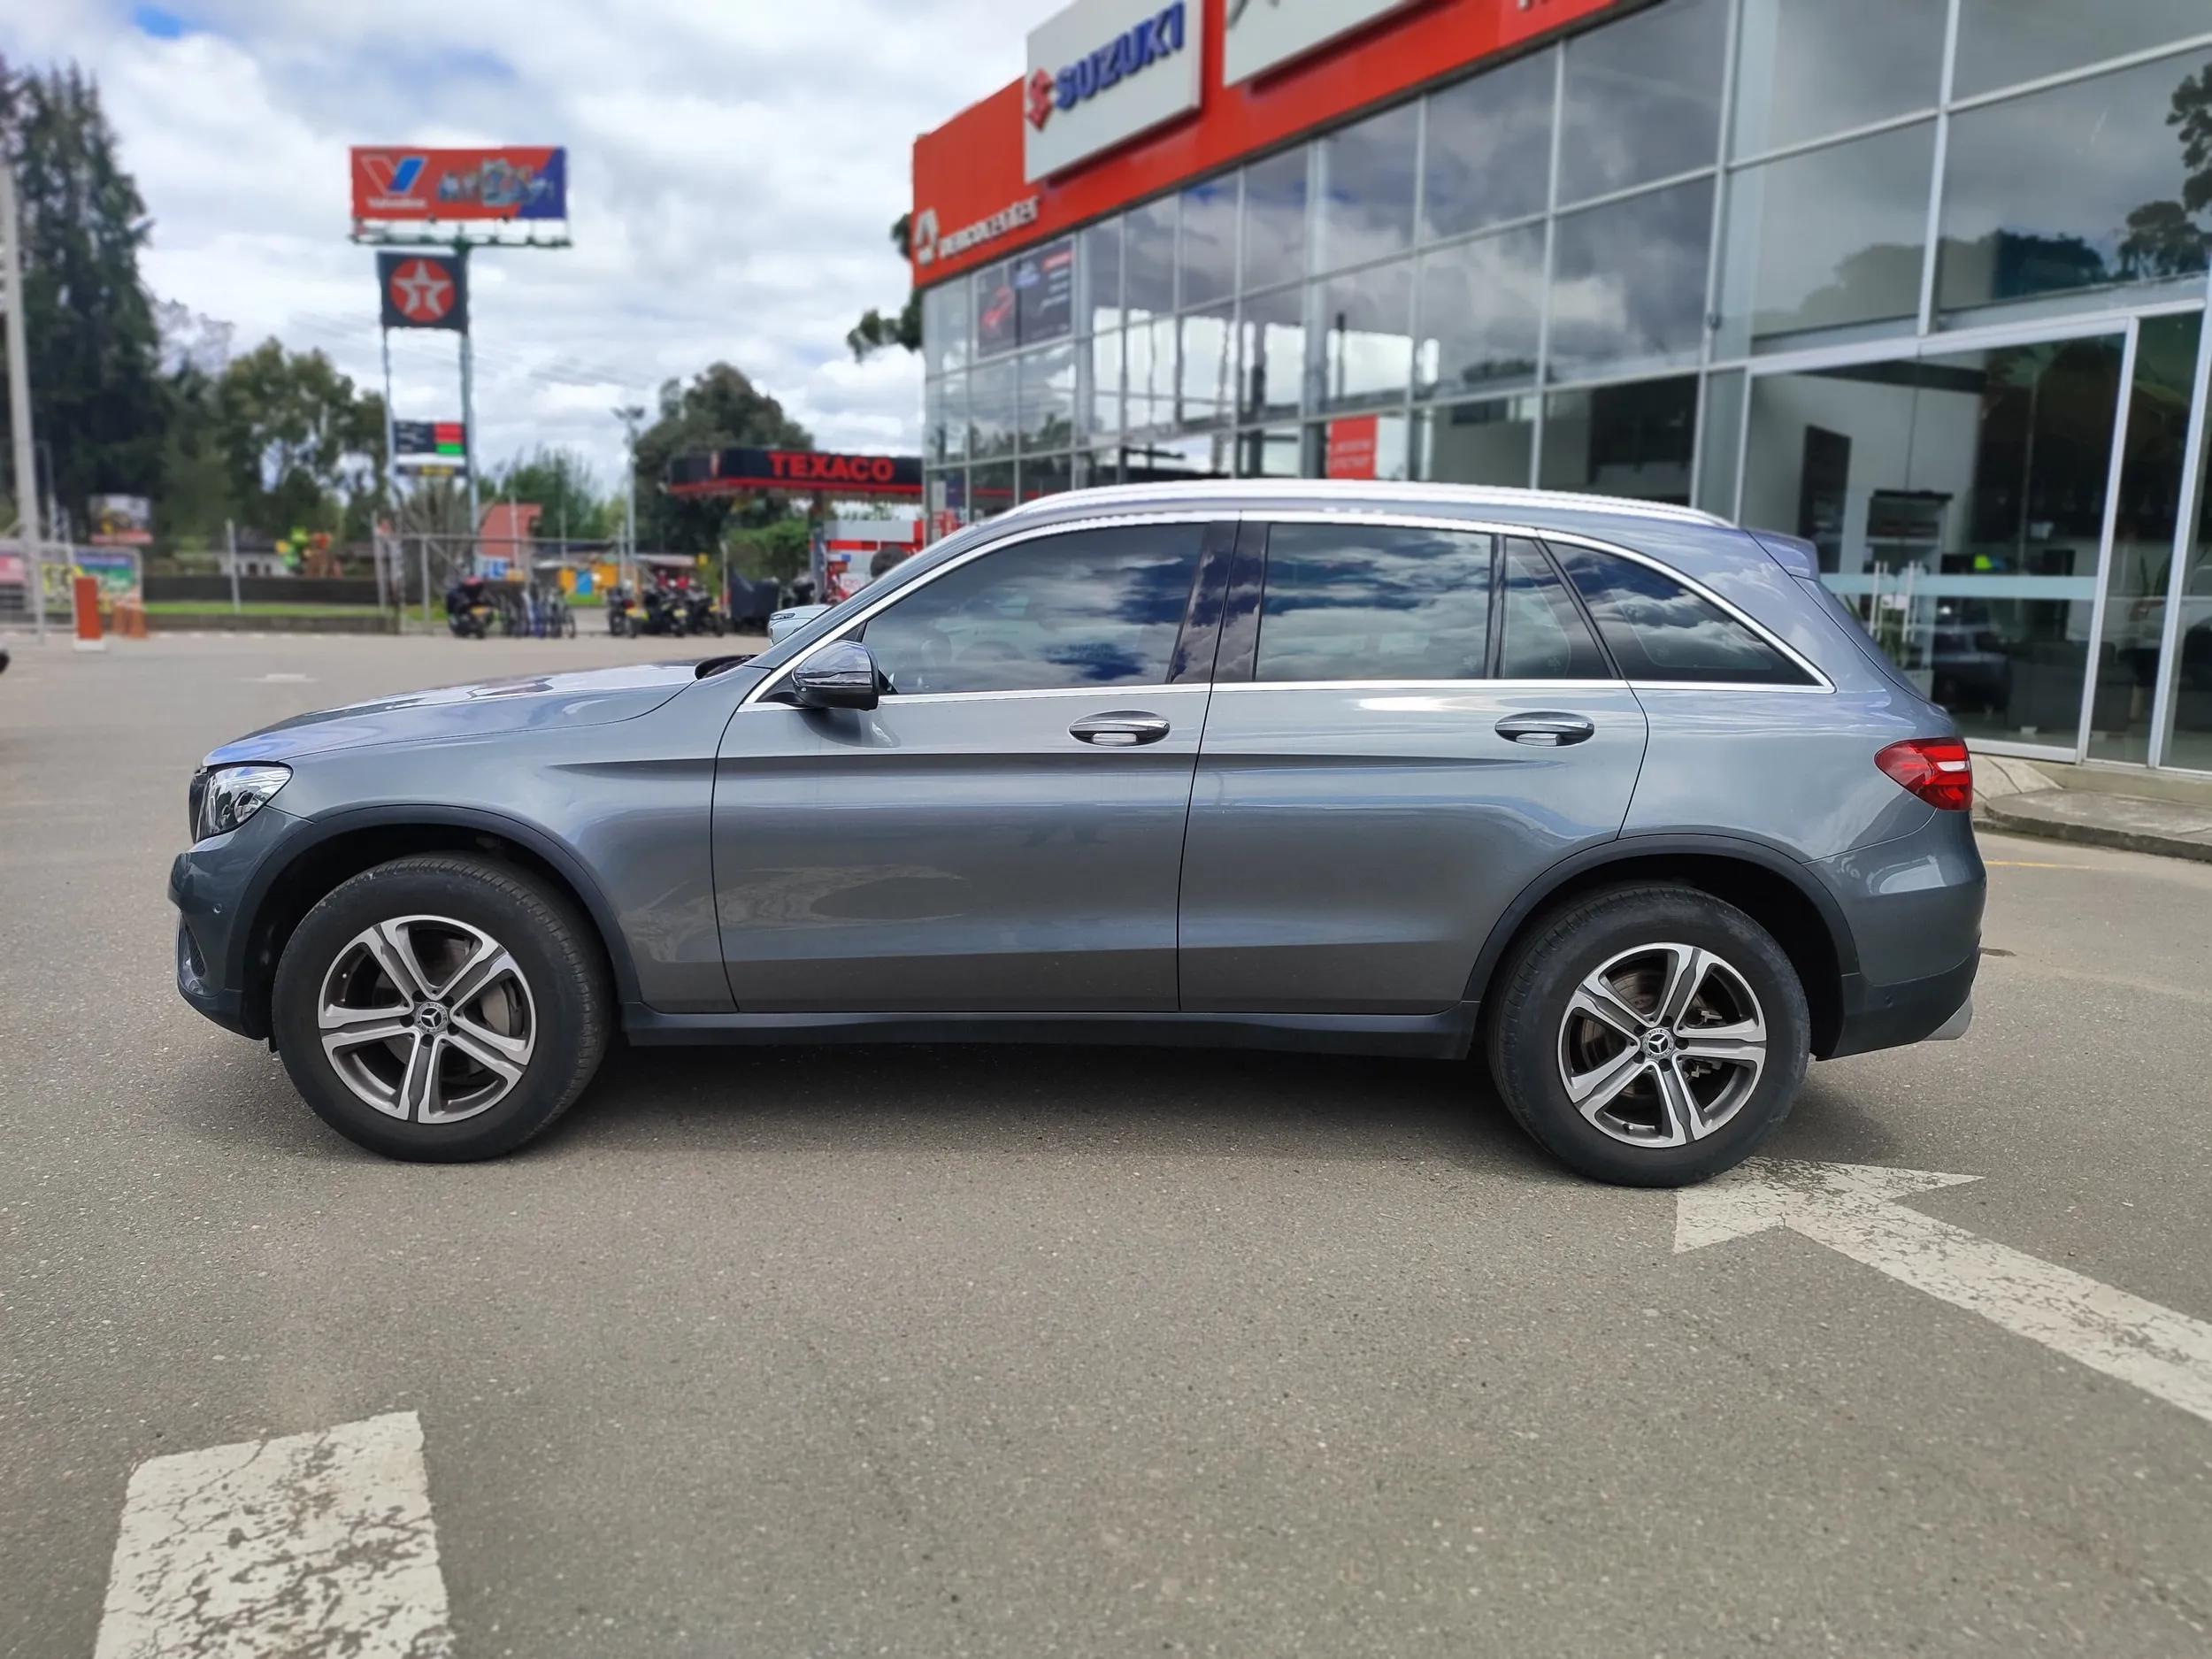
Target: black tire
[[1622, 930], [557, 1001]]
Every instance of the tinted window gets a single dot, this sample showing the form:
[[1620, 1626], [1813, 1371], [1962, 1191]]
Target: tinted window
[[1090, 608], [1348, 602], [1658, 629], [1542, 632]]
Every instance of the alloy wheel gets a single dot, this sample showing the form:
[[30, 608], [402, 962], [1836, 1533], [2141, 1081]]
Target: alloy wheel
[[428, 1019], [1661, 1045]]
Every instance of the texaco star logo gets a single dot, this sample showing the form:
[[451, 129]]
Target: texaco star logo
[[422, 291]]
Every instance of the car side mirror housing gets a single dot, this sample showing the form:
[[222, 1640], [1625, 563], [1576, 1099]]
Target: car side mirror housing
[[842, 675]]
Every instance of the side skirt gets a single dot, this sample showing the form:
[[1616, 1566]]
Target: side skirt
[[1446, 1036]]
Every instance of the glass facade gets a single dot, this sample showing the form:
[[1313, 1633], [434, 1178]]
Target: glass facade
[[1920, 280]]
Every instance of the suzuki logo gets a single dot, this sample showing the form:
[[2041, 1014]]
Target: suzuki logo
[[1041, 98]]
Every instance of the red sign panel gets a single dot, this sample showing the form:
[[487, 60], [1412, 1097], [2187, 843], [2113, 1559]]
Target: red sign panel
[[1351, 447], [406, 183], [738, 469], [971, 202]]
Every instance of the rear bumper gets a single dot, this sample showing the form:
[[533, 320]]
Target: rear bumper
[[1890, 1016]]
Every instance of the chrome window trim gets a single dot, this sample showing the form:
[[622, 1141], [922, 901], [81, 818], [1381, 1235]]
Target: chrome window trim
[[1514, 686], [1019, 534], [1573, 538]]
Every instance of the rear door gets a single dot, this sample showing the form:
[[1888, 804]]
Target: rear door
[[1409, 722]]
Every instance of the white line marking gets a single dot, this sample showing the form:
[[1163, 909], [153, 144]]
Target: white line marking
[[312, 1545], [1852, 1208]]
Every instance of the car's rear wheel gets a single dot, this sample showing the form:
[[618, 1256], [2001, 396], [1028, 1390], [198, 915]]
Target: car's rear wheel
[[1650, 1036], [441, 1008]]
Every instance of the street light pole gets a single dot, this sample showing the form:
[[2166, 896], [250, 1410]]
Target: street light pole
[[20, 394], [629, 415]]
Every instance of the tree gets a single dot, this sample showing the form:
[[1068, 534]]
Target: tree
[[100, 404], [2164, 238], [874, 330], [720, 408], [301, 446], [560, 482], [778, 550]]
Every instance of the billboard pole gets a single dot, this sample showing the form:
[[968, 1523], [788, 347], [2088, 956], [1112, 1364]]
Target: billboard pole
[[391, 466], [468, 407], [19, 396]]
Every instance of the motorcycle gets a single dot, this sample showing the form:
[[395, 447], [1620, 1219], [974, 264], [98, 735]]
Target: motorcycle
[[661, 613], [620, 604], [702, 615]]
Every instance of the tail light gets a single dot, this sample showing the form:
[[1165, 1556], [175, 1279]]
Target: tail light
[[1936, 769]]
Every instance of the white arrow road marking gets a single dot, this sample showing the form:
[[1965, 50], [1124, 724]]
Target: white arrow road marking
[[315, 1544], [1852, 1208]]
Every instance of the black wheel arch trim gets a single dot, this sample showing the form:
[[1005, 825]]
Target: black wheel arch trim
[[1695, 844], [310, 833]]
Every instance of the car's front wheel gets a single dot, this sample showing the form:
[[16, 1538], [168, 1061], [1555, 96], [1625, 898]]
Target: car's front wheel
[[441, 1008], [1651, 1036]]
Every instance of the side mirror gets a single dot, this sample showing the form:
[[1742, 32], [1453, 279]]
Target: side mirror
[[840, 675]]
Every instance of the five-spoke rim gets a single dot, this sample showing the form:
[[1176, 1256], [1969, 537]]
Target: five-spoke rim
[[428, 1019], [1661, 1045]]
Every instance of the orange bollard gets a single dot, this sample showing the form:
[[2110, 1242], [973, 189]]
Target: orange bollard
[[85, 593]]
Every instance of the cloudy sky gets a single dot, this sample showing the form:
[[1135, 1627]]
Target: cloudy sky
[[734, 167]]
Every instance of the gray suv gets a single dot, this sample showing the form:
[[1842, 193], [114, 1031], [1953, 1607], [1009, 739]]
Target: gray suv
[[1615, 793]]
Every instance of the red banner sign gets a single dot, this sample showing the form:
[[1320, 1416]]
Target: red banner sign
[[404, 183], [1352, 446]]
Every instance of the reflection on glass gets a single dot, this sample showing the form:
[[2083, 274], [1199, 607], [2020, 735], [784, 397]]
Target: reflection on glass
[[945, 327], [2143, 538], [1364, 447], [1047, 397], [1206, 382], [1273, 343], [2189, 674], [1150, 375], [992, 403], [1543, 633], [1367, 177], [990, 489], [1167, 460], [1720, 457], [1096, 468], [1098, 278], [1634, 439], [1826, 243], [1366, 324], [945, 418], [1147, 258], [1270, 452], [1480, 314], [2003, 43], [1805, 68], [1957, 504], [945, 498], [1209, 240], [1643, 98], [1657, 629], [1489, 148], [1104, 384], [997, 310], [2075, 188], [1274, 220], [1346, 601], [1046, 475], [1088, 608], [1628, 282], [1489, 442]]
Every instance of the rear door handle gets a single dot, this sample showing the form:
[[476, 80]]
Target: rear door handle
[[1122, 729], [1546, 731]]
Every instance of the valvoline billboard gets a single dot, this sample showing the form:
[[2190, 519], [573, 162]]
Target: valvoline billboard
[[400, 182]]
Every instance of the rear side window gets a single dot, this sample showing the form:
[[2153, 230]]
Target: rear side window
[[1543, 635], [1659, 630], [1357, 601]]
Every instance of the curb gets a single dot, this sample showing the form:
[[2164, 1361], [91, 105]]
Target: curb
[[1994, 815]]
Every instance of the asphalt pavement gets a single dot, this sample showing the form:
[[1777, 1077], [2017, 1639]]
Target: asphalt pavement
[[1007, 1352]]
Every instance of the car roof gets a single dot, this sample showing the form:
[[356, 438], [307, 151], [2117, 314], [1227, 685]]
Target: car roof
[[1262, 493]]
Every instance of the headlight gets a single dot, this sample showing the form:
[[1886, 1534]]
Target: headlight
[[227, 797]]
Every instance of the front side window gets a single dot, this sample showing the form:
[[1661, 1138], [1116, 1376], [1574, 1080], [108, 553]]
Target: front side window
[[1351, 602], [1659, 630], [1059, 613]]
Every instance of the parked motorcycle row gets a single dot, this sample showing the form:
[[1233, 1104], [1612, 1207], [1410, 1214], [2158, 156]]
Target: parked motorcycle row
[[475, 607], [664, 608]]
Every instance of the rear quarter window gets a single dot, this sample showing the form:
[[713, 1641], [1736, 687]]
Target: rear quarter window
[[1659, 631]]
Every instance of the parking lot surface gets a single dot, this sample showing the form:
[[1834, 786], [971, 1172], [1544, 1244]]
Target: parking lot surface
[[976, 1351]]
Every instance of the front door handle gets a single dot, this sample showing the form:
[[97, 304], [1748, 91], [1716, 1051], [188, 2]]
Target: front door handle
[[1546, 731], [1122, 729]]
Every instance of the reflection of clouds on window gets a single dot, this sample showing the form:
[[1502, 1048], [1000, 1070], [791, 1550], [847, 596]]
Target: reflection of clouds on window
[[1658, 629], [1275, 219], [1643, 98], [2004, 43], [1805, 68], [1488, 154], [1087, 608], [1628, 281], [1480, 304], [1366, 340], [1209, 240], [1367, 176], [1344, 602]]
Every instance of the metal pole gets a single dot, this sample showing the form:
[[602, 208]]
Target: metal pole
[[230, 541], [19, 395], [468, 407], [391, 468], [423, 543]]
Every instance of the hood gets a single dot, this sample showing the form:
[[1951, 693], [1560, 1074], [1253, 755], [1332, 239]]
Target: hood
[[594, 697]]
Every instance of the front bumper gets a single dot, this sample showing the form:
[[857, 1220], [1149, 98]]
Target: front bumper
[[212, 885]]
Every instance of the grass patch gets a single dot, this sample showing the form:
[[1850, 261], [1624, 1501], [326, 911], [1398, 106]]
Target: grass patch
[[222, 607]]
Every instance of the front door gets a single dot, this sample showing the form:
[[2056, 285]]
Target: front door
[[1410, 724], [1003, 833]]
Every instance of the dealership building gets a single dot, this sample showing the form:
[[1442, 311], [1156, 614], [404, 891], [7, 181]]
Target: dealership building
[[1922, 280]]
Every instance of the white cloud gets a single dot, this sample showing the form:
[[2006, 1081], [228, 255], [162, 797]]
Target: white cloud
[[734, 167]]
